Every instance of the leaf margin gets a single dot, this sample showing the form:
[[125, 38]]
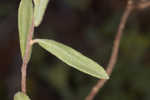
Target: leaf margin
[[25, 17], [101, 71], [39, 11]]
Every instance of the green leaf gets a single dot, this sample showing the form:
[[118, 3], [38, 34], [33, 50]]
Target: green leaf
[[73, 58], [25, 15], [21, 96], [39, 10]]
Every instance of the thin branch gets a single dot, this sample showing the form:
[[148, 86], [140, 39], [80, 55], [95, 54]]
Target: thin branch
[[114, 55], [143, 5], [26, 58]]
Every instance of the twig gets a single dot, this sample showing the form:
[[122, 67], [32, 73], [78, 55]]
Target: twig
[[26, 58], [114, 55], [143, 5]]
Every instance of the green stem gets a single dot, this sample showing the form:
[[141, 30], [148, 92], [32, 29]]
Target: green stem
[[26, 58]]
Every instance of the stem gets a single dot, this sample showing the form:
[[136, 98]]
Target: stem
[[143, 5], [115, 50], [33, 41], [26, 58]]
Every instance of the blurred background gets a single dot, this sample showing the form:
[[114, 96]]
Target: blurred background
[[88, 26]]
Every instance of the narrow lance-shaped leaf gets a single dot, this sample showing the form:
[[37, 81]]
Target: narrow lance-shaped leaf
[[73, 58], [25, 15], [21, 96], [39, 10]]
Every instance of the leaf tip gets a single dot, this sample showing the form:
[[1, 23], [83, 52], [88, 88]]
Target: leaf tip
[[36, 23], [106, 77]]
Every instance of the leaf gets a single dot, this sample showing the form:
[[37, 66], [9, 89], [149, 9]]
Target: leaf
[[39, 10], [21, 96], [73, 58], [25, 15]]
